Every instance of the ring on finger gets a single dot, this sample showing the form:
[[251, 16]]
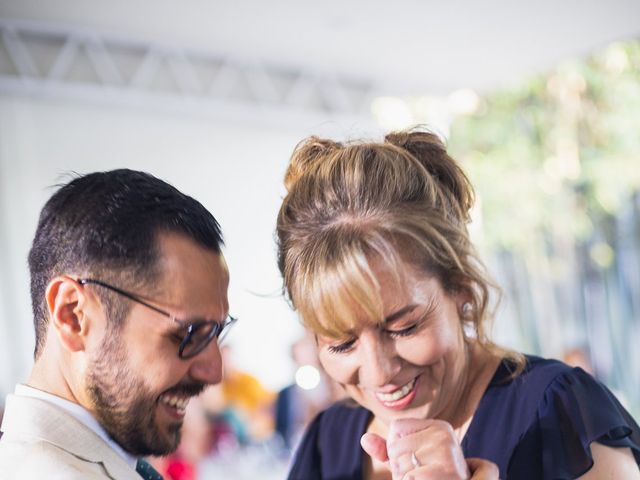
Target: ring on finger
[[414, 460]]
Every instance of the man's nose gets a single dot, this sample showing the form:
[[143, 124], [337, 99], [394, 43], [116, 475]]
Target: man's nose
[[206, 366], [379, 363]]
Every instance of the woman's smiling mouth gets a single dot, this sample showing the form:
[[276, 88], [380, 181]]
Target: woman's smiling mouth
[[400, 398]]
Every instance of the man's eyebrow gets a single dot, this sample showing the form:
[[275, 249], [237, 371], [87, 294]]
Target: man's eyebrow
[[399, 313]]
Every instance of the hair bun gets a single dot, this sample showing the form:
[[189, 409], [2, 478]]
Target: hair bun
[[306, 154], [432, 154]]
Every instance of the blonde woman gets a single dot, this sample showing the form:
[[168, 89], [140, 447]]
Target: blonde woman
[[376, 258]]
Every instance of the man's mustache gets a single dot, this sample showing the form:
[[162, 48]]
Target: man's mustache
[[187, 389]]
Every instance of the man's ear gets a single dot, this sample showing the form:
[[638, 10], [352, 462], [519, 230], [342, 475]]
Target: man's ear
[[66, 302]]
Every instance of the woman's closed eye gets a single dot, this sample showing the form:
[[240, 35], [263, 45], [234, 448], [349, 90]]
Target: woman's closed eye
[[342, 347], [403, 332], [405, 322], [404, 328]]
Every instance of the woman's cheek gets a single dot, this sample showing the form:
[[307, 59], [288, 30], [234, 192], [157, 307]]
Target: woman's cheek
[[339, 367], [425, 349]]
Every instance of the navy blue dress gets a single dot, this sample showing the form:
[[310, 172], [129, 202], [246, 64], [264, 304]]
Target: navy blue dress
[[536, 426]]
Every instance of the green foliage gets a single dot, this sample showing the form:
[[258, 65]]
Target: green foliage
[[557, 154]]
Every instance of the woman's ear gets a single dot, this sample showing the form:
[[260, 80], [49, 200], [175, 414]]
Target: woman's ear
[[66, 302], [464, 298]]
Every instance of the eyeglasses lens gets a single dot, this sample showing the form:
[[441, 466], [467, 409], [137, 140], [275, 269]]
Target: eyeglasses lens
[[200, 335]]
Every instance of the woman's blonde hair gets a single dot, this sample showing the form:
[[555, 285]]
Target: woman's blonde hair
[[402, 201]]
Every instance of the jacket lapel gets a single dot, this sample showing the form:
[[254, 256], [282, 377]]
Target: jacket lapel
[[37, 419]]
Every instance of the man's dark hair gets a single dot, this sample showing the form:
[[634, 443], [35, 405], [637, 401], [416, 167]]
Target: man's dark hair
[[106, 224]]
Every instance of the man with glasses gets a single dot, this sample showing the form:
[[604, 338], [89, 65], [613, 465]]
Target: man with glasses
[[129, 294]]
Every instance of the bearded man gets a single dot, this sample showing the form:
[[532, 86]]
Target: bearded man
[[129, 295]]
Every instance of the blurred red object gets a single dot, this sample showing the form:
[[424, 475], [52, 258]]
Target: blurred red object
[[180, 469]]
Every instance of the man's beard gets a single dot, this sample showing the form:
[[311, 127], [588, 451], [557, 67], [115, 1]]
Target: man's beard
[[125, 406]]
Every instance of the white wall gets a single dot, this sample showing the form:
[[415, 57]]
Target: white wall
[[234, 169]]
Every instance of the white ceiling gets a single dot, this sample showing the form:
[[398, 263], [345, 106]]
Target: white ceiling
[[401, 46]]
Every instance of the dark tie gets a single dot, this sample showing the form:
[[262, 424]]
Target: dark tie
[[146, 471]]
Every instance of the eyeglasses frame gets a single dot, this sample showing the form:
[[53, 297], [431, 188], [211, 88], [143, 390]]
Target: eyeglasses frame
[[219, 330]]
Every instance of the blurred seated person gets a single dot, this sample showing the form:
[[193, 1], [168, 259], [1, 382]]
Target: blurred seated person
[[376, 258], [240, 406]]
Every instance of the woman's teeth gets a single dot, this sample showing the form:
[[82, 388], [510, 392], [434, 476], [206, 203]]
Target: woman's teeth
[[398, 394], [179, 403]]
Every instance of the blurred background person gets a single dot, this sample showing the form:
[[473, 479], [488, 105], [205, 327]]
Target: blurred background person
[[244, 402], [195, 445], [578, 357], [312, 391]]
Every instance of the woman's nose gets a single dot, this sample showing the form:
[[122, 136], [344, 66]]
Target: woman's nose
[[379, 362]]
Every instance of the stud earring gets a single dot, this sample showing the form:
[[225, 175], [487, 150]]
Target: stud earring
[[467, 308]]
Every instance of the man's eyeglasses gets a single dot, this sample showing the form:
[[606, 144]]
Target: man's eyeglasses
[[198, 333]]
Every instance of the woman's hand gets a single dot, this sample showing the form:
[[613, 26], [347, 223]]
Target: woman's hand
[[425, 449]]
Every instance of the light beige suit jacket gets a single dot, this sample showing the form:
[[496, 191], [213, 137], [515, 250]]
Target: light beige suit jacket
[[42, 441]]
